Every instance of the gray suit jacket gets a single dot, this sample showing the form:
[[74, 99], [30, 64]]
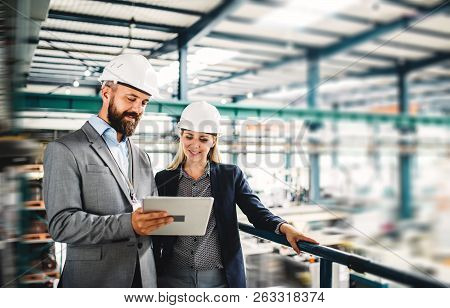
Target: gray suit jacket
[[89, 208]]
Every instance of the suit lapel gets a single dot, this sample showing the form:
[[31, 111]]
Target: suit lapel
[[215, 191], [135, 163], [172, 182], [214, 180], [100, 147]]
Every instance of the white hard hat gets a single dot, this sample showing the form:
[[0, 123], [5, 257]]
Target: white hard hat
[[200, 117], [132, 70]]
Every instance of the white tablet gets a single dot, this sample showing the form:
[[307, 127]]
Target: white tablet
[[191, 214]]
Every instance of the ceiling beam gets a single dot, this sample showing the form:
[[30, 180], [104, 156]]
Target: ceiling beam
[[199, 29], [414, 45], [75, 68], [410, 5], [420, 64], [50, 57], [298, 85], [365, 55], [245, 38], [86, 52], [379, 30], [407, 66], [103, 20], [265, 65], [343, 45], [151, 6], [69, 42], [248, 51], [84, 32], [61, 81], [302, 30]]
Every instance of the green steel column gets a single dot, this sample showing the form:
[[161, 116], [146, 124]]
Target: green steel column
[[182, 80], [288, 161], [335, 128], [404, 158], [402, 83], [234, 153], [314, 190], [313, 79], [405, 186]]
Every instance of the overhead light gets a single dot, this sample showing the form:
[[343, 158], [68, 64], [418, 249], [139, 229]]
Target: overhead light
[[249, 95], [223, 101], [170, 90], [202, 58], [87, 73], [195, 81], [76, 83], [300, 13], [212, 56], [168, 73], [194, 66], [290, 46], [67, 91], [132, 23]]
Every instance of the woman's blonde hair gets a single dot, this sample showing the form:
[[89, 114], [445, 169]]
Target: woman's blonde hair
[[180, 157]]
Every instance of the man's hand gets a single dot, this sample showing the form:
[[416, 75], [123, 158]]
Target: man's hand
[[146, 223], [293, 236]]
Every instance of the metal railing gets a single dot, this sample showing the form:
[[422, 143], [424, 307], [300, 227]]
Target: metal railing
[[357, 263]]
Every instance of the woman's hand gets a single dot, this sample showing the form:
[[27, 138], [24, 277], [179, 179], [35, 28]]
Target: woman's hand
[[293, 236]]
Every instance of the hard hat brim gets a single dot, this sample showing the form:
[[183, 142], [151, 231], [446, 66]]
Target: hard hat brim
[[134, 88]]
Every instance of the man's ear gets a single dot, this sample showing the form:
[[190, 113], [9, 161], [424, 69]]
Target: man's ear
[[106, 93]]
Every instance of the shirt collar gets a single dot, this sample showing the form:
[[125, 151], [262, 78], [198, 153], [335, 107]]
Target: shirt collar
[[104, 129], [205, 174]]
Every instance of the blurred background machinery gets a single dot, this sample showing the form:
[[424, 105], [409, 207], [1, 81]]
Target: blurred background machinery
[[338, 112]]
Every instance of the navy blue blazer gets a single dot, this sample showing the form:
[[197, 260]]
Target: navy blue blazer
[[228, 187]]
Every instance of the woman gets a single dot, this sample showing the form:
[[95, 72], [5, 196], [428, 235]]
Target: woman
[[215, 259]]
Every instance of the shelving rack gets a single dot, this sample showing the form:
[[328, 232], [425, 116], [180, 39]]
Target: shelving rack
[[37, 266]]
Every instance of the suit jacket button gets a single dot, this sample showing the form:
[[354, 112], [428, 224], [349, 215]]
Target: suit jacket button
[[139, 245]]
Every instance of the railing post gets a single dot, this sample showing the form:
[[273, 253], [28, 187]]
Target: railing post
[[326, 270]]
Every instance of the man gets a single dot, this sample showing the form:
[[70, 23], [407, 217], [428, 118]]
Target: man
[[94, 181]]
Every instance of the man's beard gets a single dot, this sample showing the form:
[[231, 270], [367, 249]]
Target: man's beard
[[118, 121]]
